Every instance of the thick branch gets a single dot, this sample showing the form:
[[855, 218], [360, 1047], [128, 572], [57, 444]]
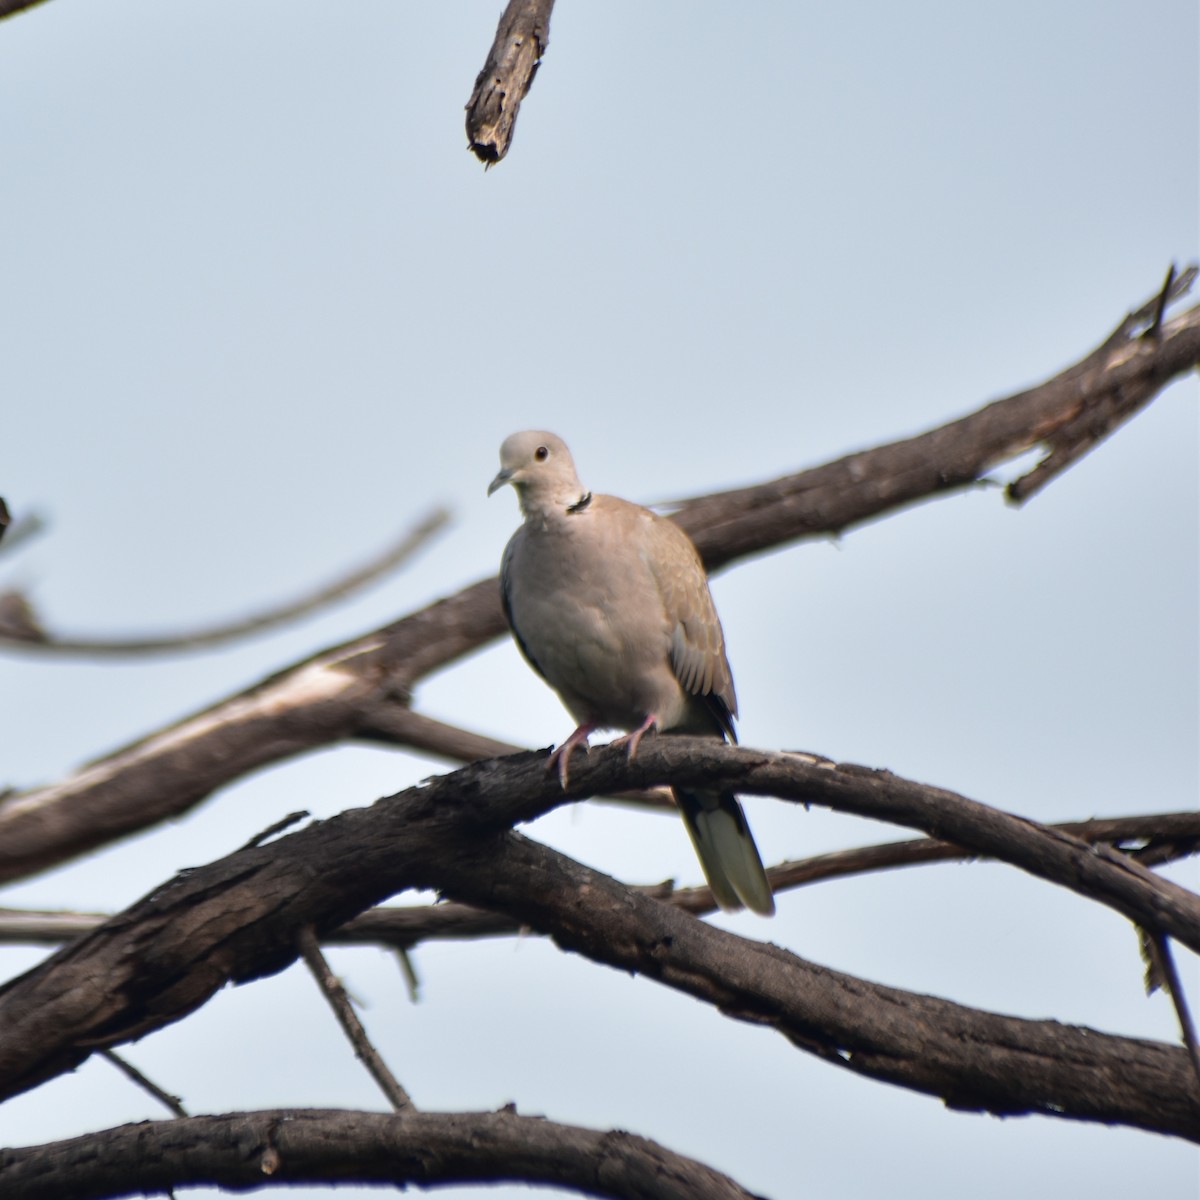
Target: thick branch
[[350, 690], [1156, 839], [237, 920], [522, 38], [294, 1146]]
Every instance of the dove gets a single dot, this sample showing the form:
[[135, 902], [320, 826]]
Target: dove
[[609, 603]]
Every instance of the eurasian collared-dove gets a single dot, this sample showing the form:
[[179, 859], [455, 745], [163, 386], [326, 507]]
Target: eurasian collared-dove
[[610, 605]]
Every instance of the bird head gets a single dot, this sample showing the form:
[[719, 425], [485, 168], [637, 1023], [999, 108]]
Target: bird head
[[539, 466]]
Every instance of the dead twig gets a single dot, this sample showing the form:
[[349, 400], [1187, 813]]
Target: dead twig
[[171, 1103], [1164, 968], [1110, 386], [333, 991], [521, 40]]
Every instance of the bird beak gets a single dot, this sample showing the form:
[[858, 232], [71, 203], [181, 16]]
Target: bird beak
[[504, 477]]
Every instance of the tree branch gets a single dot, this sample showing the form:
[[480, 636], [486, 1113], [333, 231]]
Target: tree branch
[[171, 1103], [350, 690], [294, 1146], [9, 8], [521, 40], [1165, 962], [22, 632], [1163, 838], [237, 920], [335, 995]]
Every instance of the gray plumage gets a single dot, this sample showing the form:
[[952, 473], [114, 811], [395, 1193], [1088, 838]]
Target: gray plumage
[[610, 604]]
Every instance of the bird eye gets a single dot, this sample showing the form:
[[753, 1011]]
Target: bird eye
[[541, 453]]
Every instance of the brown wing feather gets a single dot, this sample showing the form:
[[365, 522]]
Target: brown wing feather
[[697, 641]]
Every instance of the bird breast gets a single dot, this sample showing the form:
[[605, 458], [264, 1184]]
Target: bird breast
[[591, 615]]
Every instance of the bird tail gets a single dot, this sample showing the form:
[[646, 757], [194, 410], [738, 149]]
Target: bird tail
[[726, 849]]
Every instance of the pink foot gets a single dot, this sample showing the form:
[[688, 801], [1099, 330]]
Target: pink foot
[[631, 740], [560, 758]]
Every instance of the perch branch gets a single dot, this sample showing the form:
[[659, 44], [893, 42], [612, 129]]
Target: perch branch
[[237, 920], [1166, 837]]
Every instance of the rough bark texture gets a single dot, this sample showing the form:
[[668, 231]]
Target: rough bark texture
[[238, 919], [361, 689], [521, 39], [1159, 838], [293, 1146]]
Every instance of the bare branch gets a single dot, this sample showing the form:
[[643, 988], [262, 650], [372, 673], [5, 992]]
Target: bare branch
[[1100, 416], [238, 919], [522, 38], [9, 8], [27, 635], [295, 1146], [401, 726], [170, 1103], [1165, 962], [349, 690], [1162, 838], [335, 994]]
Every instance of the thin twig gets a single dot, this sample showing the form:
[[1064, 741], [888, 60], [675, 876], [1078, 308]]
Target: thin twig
[[1160, 308], [1100, 412], [394, 556], [21, 529], [1166, 962], [293, 818], [342, 1009], [172, 1103]]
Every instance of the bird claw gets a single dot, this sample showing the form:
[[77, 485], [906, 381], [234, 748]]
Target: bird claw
[[631, 741], [560, 757]]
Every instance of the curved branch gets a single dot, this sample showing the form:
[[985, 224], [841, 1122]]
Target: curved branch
[[350, 690], [237, 920], [27, 634], [292, 1146], [1162, 838]]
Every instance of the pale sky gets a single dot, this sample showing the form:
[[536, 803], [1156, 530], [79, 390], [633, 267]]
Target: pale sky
[[261, 310]]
